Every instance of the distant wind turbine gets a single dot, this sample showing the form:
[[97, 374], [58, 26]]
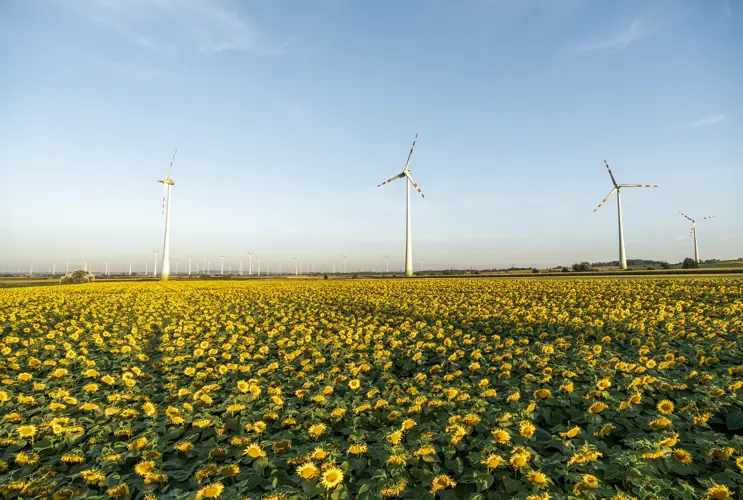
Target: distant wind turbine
[[154, 271], [387, 263], [250, 262], [693, 232], [408, 238], [343, 266], [167, 183], [617, 189]]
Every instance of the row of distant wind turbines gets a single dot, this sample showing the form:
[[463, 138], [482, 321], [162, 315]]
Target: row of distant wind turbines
[[168, 184]]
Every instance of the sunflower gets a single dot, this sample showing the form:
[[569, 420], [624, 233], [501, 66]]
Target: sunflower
[[357, 449], [395, 437], [317, 430], [660, 423], [519, 460], [526, 429], [142, 468], [597, 407], [118, 491], [308, 470], [210, 491], [665, 407], [682, 455], [571, 433], [719, 492], [492, 461], [254, 451], [319, 454], [590, 480], [26, 431], [440, 482], [542, 393], [396, 460], [537, 478], [332, 478], [502, 436], [354, 384]]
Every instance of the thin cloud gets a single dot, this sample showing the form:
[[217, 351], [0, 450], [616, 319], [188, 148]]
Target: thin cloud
[[170, 26], [134, 71], [638, 29], [727, 9], [291, 109], [706, 121]]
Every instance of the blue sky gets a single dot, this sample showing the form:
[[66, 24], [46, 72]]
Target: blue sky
[[287, 115]]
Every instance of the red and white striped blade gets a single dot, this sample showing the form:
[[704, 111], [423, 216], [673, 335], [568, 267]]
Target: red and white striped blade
[[638, 185], [167, 175], [604, 200], [613, 180], [708, 217], [414, 184], [165, 192], [400, 176], [411, 151], [682, 213]]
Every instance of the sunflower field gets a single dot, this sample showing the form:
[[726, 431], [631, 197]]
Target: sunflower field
[[451, 388]]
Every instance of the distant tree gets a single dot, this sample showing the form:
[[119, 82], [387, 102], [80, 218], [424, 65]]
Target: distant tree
[[650, 268], [565, 270], [535, 270], [77, 277], [582, 267], [325, 276], [665, 265], [690, 263]]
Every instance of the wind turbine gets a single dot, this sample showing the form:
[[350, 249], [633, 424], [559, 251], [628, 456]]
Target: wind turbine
[[387, 261], [167, 183], [617, 189], [343, 266], [693, 232], [250, 262], [221, 271], [154, 271], [189, 265], [130, 267], [296, 264], [408, 179]]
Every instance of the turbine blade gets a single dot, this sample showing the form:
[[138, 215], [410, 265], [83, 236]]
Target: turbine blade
[[411, 150], [610, 174], [687, 216], [400, 176], [638, 185], [604, 200], [167, 175], [708, 217], [165, 192], [414, 184]]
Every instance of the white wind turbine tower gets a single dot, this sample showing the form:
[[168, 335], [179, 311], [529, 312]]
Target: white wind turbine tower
[[408, 180], [250, 262], [617, 189], [221, 271], [130, 267], [189, 265], [167, 183], [693, 232], [343, 264], [154, 271], [387, 263], [296, 264]]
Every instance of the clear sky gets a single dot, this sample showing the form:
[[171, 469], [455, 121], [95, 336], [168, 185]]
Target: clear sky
[[286, 116]]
